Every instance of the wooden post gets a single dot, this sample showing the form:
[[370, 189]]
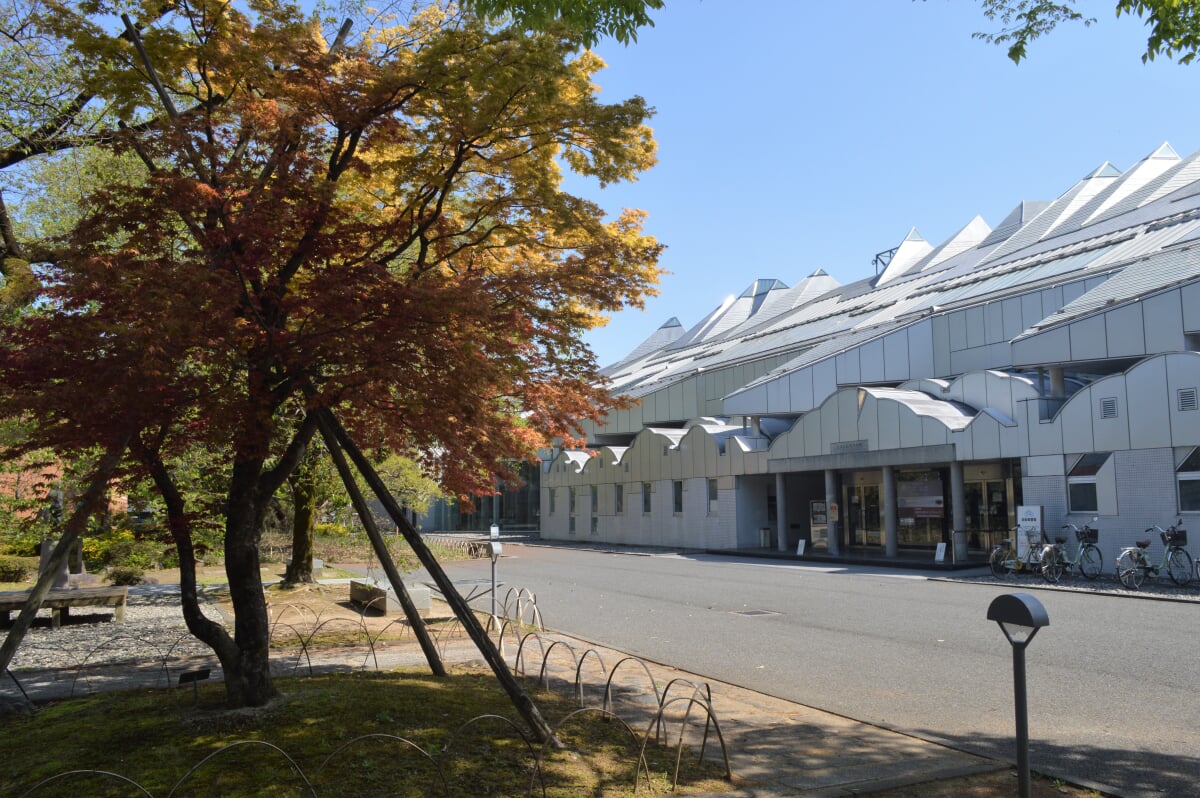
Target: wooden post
[[521, 700], [385, 557], [75, 525]]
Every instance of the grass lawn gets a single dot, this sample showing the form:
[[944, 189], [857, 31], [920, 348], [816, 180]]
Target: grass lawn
[[154, 737]]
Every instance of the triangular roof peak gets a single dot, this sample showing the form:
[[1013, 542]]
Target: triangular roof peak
[[671, 322], [762, 286], [1105, 169], [1164, 151]]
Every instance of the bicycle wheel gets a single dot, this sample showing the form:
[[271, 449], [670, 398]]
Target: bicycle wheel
[[1130, 571], [1001, 562], [1179, 566], [1091, 561], [1052, 564]]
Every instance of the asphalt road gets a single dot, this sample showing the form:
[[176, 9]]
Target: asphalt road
[[1113, 681]]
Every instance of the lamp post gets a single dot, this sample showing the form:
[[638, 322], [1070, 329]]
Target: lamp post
[[1019, 615], [494, 548]]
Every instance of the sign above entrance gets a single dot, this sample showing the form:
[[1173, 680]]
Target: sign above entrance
[[848, 447]]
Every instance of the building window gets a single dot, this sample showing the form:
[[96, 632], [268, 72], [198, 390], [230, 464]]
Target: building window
[[552, 492], [571, 510], [646, 498], [594, 496], [713, 504], [618, 499], [1188, 477], [1081, 483], [677, 493]]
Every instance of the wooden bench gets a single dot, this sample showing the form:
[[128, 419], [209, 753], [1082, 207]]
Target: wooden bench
[[60, 601], [369, 595]]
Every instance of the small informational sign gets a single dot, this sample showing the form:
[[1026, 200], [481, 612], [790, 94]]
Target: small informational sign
[[800, 548], [817, 512], [940, 554], [495, 530], [1029, 524], [833, 512]]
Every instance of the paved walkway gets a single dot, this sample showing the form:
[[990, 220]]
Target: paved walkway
[[775, 747]]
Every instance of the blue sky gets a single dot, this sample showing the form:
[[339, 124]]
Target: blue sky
[[796, 135]]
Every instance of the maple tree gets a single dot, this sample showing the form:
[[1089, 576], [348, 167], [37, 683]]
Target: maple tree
[[371, 223]]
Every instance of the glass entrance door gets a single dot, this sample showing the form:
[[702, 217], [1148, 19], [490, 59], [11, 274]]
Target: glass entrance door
[[864, 524], [987, 513]]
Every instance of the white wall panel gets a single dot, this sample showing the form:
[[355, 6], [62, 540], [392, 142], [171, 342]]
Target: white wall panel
[[675, 396], [1076, 423], [888, 420], [779, 395], [1072, 291], [1052, 300], [974, 389], [958, 330], [1031, 310], [868, 422], [1088, 340], [976, 332], [847, 407], [1045, 466], [940, 329], [1164, 322], [848, 370], [871, 362], [934, 432], [1190, 294], [1010, 311], [1149, 401], [910, 428], [1110, 434], [1044, 437], [985, 438], [1052, 346], [895, 356], [1124, 331], [801, 390], [994, 322], [1183, 372], [812, 440], [824, 381], [920, 350]]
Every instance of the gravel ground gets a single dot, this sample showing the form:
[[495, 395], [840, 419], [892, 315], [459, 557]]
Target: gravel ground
[[153, 630], [1162, 588]]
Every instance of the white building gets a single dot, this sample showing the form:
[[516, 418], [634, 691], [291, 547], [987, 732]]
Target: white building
[[1049, 361]]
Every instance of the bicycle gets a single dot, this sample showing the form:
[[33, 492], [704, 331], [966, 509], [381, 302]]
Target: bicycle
[[1005, 561], [1133, 565], [1088, 558]]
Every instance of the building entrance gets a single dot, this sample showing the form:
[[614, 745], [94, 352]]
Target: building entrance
[[990, 513], [864, 521]]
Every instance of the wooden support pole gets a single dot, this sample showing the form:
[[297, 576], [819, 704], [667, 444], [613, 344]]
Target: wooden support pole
[[521, 700], [92, 497], [385, 558]]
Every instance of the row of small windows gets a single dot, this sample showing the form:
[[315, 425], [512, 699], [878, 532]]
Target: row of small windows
[[619, 499], [1083, 495]]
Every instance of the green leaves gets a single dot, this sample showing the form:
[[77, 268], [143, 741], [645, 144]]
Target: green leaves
[[590, 20]]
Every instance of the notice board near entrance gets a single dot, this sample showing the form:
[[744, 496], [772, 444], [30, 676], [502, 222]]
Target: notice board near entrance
[[1029, 522]]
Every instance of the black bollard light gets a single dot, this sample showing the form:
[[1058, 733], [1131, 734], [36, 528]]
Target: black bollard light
[[1020, 615]]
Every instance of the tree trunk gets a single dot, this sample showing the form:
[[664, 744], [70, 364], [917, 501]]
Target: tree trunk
[[304, 522], [248, 677]]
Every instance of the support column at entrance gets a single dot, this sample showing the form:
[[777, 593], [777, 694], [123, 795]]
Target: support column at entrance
[[831, 499], [781, 513], [891, 531], [958, 502]]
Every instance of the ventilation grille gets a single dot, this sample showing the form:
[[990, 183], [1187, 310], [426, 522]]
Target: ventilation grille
[[1108, 407], [1187, 399]]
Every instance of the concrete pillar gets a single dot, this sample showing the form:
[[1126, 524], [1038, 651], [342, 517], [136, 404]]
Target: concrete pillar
[[781, 511], [958, 502], [831, 498], [1058, 386], [891, 525]]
